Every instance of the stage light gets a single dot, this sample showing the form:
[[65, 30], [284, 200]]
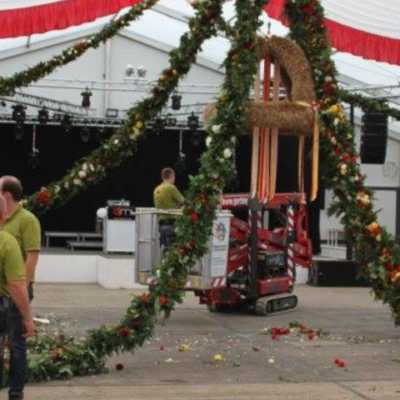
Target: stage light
[[18, 131], [43, 115], [66, 123], [33, 159], [86, 94], [170, 121], [193, 125], [129, 70], [142, 71], [193, 122], [176, 101], [85, 134], [180, 166], [158, 125], [19, 114]]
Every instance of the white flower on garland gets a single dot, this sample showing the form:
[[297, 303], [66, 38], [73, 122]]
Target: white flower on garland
[[57, 189], [116, 141], [66, 185], [216, 128], [227, 153], [92, 168], [77, 182], [333, 140], [82, 174], [328, 79], [336, 121], [343, 169], [208, 141], [349, 136], [84, 167]]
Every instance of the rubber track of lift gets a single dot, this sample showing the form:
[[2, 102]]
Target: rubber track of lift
[[261, 304]]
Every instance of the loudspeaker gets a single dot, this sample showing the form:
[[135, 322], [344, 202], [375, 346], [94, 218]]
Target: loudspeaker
[[374, 138], [335, 273]]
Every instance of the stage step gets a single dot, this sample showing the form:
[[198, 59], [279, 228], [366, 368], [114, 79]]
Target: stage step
[[85, 244]]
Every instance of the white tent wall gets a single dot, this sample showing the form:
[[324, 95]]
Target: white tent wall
[[125, 49]]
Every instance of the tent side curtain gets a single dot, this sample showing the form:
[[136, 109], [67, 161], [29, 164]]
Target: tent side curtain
[[40, 16]]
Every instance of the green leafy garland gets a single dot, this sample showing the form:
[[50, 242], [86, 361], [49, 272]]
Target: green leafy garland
[[375, 248], [64, 357], [42, 69], [93, 168], [369, 104]]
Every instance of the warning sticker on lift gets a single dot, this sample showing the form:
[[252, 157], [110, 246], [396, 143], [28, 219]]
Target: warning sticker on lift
[[220, 247]]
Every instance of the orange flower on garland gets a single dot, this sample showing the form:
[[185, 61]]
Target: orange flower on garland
[[374, 229]]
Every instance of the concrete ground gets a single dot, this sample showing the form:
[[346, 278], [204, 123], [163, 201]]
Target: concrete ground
[[253, 364]]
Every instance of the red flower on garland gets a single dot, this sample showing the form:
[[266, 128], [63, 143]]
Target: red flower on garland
[[137, 321], [81, 46], [194, 217], [124, 332], [163, 300], [145, 297], [43, 198], [119, 367], [389, 267], [309, 10], [338, 152]]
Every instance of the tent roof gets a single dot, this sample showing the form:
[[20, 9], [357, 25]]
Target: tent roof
[[166, 22]]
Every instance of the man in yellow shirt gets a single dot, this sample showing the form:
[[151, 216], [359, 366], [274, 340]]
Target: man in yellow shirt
[[15, 317], [167, 197], [23, 225]]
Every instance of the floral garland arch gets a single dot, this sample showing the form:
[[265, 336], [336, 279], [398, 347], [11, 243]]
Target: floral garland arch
[[375, 249]]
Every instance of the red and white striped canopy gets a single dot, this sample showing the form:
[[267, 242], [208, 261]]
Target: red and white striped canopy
[[366, 28], [27, 17]]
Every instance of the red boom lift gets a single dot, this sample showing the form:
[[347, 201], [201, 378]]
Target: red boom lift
[[262, 262]]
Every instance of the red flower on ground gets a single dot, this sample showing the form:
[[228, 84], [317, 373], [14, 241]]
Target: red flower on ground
[[119, 367], [163, 300], [342, 364], [43, 197], [194, 217], [124, 332], [145, 297]]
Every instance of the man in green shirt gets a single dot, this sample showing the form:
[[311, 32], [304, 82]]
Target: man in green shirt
[[167, 197], [23, 225], [15, 317]]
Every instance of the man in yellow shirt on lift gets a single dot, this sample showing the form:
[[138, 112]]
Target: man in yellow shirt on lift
[[167, 197]]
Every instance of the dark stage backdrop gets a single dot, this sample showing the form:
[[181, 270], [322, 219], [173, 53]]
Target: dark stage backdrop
[[134, 180]]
